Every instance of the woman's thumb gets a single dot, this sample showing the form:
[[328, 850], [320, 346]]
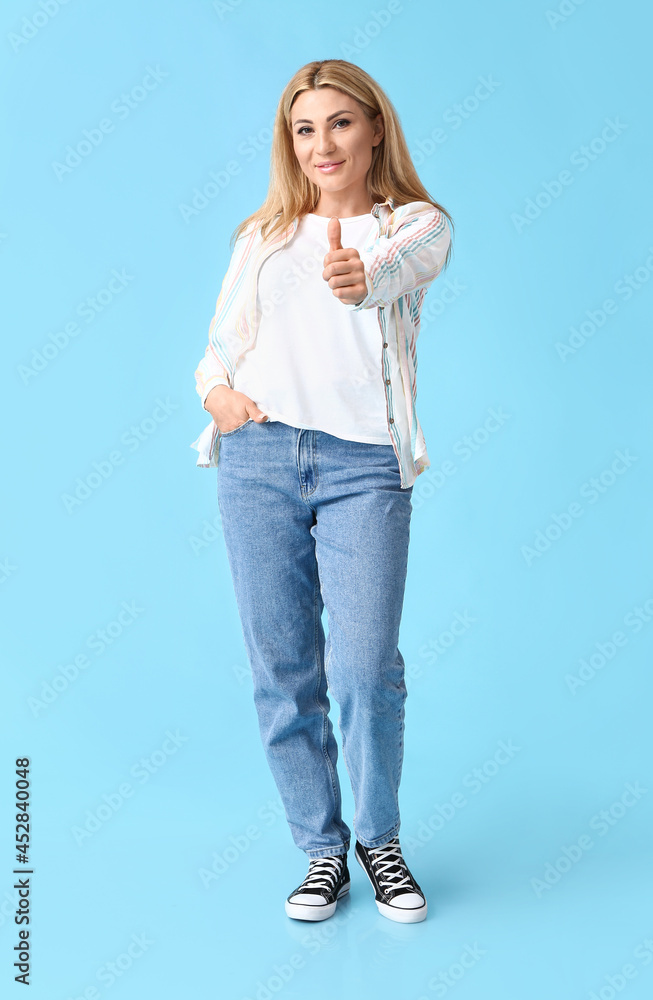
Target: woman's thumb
[[254, 412], [334, 234]]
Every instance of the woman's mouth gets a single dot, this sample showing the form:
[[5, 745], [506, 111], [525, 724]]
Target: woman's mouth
[[328, 168]]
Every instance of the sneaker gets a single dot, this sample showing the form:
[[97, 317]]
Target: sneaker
[[397, 894], [317, 897]]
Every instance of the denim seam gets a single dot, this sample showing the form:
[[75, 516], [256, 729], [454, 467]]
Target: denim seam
[[315, 464], [326, 671], [343, 743], [400, 755], [342, 735], [318, 660], [313, 457]]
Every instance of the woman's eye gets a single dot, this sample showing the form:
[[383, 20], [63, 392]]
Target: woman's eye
[[344, 121]]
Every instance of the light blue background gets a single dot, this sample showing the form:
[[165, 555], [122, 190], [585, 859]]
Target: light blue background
[[516, 290]]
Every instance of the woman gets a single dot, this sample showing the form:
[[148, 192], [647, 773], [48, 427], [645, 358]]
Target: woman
[[309, 376]]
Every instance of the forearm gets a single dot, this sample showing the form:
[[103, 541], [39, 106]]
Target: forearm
[[410, 259], [210, 373], [216, 366]]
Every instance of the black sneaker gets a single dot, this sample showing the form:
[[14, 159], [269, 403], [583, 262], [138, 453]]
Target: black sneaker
[[317, 897], [397, 894]]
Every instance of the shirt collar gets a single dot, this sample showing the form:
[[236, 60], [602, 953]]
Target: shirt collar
[[376, 208], [379, 204]]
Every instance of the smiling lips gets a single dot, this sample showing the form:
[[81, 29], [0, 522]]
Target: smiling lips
[[326, 168]]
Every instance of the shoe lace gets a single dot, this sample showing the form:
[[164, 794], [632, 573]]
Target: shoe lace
[[389, 866], [322, 873]]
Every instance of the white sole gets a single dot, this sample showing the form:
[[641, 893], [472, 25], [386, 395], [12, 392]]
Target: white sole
[[402, 916], [301, 911]]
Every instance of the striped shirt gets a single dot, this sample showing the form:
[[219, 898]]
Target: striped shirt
[[404, 252]]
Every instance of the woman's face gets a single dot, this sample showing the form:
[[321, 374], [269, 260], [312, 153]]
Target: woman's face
[[328, 127]]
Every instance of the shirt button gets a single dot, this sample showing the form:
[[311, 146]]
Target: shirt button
[[392, 420], [387, 381], [385, 345]]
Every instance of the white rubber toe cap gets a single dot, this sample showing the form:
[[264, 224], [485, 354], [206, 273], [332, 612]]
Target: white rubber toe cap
[[309, 898], [407, 901]]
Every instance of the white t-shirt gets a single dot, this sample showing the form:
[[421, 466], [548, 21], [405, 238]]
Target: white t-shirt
[[315, 364]]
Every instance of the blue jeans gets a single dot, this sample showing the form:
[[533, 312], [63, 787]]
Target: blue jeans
[[312, 521]]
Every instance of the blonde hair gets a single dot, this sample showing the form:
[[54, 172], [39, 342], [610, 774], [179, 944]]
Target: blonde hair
[[391, 174]]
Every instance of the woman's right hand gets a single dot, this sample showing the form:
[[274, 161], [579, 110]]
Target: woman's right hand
[[230, 408]]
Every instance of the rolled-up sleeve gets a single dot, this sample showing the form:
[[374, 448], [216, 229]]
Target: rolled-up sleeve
[[216, 367], [410, 258]]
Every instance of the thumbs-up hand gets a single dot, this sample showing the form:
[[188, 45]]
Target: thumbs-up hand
[[343, 271]]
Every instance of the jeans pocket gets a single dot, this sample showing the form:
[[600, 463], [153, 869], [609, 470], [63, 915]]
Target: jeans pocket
[[236, 429]]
